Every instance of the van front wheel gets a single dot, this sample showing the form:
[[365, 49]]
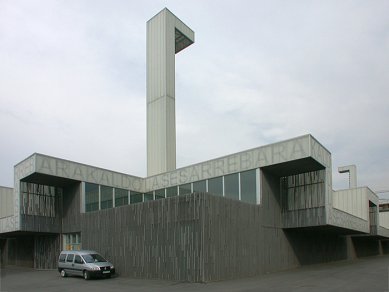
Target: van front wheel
[[63, 274], [86, 275]]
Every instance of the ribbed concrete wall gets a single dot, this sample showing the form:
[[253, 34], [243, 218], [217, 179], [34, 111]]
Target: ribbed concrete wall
[[197, 237], [156, 239], [46, 251], [71, 216], [243, 240]]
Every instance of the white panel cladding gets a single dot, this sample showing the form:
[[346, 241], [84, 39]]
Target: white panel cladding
[[161, 128], [171, 133], [157, 133], [352, 201], [384, 219], [6, 202]]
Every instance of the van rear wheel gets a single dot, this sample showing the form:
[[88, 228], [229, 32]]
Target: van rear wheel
[[63, 274], [86, 275]]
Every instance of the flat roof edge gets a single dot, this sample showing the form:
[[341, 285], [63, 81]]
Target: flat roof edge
[[239, 152]]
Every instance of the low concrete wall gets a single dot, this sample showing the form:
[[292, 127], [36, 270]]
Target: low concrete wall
[[352, 201], [345, 220], [384, 219]]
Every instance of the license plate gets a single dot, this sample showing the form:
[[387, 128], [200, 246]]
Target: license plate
[[106, 272]]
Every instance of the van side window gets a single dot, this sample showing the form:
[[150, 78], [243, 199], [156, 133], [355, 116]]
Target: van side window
[[78, 259], [62, 258], [70, 257]]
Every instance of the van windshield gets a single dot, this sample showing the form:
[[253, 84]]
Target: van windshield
[[93, 258]]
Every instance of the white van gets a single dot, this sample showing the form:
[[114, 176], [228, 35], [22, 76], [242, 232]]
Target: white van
[[85, 263]]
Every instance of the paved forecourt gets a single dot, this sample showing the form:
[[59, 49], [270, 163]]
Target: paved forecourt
[[367, 274]]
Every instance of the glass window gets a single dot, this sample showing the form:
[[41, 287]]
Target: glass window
[[248, 186], [93, 258], [200, 186], [121, 197], [72, 241], [231, 186], [185, 189], [136, 197], [62, 258], [78, 260], [171, 192], [160, 194], [39, 200], [70, 257], [149, 196], [215, 186], [106, 197], [91, 197]]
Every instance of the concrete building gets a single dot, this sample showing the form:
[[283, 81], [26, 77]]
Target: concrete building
[[166, 36], [256, 211]]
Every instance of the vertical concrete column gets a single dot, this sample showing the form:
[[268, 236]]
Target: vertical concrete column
[[351, 254], [166, 36]]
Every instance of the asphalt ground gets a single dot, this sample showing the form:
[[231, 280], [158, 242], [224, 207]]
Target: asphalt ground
[[367, 274]]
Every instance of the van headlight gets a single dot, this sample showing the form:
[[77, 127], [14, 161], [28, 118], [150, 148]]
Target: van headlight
[[112, 267], [95, 268]]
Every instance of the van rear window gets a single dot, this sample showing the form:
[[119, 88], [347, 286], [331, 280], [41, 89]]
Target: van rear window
[[62, 258]]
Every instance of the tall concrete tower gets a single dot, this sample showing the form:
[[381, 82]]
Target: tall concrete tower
[[166, 36]]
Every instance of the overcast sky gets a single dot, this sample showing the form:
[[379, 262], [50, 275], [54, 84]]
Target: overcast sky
[[73, 81]]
